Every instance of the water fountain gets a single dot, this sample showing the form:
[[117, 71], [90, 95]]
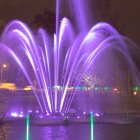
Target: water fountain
[[56, 65]]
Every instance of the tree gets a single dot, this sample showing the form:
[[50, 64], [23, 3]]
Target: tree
[[102, 11], [46, 21]]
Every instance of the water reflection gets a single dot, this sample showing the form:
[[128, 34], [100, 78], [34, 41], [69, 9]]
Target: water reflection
[[59, 133], [17, 131], [70, 132]]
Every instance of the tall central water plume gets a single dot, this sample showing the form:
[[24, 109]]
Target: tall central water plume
[[62, 61]]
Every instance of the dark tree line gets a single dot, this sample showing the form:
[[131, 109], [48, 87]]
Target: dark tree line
[[46, 21], [101, 10]]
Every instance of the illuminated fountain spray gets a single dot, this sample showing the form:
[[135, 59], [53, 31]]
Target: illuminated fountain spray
[[62, 62]]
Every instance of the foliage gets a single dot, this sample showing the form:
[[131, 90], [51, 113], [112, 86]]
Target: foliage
[[101, 10], [46, 21]]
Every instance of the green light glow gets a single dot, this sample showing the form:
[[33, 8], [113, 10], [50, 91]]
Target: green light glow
[[96, 88], [27, 127], [106, 88], [91, 126], [135, 88]]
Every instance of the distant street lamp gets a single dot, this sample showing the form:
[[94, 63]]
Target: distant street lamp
[[4, 66]]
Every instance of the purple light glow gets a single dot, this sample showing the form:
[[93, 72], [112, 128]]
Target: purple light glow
[[21, 115], [30, 111], [14, 114], [78, 117], [62, 114], [37, 111], [84, 113], [96, 115], [47, 114]]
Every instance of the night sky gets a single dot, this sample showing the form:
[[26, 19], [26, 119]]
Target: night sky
[[128, 11]]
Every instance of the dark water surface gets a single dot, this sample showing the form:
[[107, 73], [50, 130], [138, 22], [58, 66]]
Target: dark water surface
[[15, 131]]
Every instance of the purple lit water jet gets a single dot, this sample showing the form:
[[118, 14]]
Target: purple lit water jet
[[63, 63]]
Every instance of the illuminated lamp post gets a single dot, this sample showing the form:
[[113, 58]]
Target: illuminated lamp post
[[4, 66]]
